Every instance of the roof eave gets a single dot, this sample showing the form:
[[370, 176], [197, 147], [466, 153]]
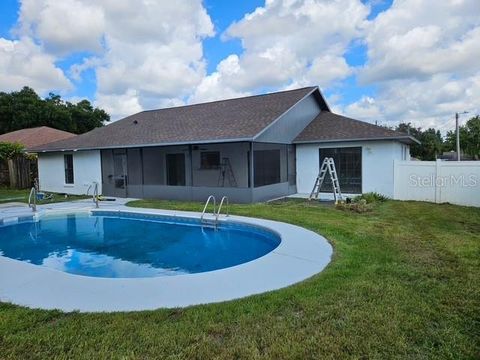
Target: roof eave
[[182, 143], [405, 139]]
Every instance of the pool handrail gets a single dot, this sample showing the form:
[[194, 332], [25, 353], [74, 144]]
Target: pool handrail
[[33, 195], [94, 184], [220, 208], [95, 194], [206, 205]]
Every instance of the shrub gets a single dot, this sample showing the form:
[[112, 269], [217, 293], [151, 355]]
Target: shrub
[[10, 150], [360, 206], [371, 197]]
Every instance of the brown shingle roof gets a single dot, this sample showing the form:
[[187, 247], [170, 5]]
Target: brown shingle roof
[[37, 136], [329, 127], [224, 120]]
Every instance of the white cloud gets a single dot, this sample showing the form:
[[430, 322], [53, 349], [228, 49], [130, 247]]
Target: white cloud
[[23, 63], [428, 103], [288, 43], [423, 58], [145, 52], [63, 26], [365, 109], [422, 54], [76, 70], [120, 105], [213, 87], [154, 48]]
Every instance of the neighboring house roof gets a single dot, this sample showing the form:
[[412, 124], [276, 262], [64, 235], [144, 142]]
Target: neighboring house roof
[[330, 127], [35, 137], [238, 119]]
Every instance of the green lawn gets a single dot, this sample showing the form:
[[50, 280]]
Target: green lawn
[[13, 195], [404, 283]]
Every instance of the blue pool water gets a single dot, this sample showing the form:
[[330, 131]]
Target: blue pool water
[[129, 246]]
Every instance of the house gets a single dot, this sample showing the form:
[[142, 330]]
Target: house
[[34, 137], [18, 172], [250, 149]]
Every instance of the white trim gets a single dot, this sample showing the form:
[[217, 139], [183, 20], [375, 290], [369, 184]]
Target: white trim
[[182, 143], [393, 138]]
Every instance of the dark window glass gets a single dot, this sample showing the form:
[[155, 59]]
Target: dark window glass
[[209, 160], [348, 163], [68, 161], [176, 169], [266, 167]]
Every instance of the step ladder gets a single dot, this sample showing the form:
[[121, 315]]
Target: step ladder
[[328, 165], [226, 174]]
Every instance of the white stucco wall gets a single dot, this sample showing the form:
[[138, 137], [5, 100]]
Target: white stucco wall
[[87, 168], [377, 164]]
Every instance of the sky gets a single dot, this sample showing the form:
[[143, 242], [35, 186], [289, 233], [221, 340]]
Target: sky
[[383, 61]]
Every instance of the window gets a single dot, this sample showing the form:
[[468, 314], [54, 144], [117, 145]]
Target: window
[[348, 163], [209, 160], [266, 167], [68, 161]]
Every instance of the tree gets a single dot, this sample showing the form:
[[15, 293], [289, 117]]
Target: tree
[[25, 109], [431, 141], [10, 150], [86, 117], [469, 138]]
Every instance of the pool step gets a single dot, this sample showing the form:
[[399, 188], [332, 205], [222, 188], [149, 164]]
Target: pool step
[[211, 223]]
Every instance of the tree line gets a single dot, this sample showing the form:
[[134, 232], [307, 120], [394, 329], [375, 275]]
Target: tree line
[[434, 144], [26, 109]]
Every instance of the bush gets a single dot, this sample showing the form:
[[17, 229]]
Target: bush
[[360, 206], [371, 197], [10, 150]]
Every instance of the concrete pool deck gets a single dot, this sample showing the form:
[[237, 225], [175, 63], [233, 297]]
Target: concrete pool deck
[[300, 255]]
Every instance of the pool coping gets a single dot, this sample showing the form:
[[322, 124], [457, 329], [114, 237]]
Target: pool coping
[[301, 254]]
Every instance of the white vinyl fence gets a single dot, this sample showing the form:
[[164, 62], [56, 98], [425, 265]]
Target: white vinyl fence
[[456, 182]]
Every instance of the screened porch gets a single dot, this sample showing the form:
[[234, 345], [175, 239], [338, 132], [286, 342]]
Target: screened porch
[[243, 171]]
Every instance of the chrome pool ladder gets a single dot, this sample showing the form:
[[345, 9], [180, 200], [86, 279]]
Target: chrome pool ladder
[[32, 199], [94, 193], [220, 208], [216, 213]]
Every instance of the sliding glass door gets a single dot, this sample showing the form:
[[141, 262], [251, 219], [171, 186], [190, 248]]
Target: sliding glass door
[[348, 162]]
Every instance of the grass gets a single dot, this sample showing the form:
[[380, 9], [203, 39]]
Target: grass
[[404, 283], [14, 195]]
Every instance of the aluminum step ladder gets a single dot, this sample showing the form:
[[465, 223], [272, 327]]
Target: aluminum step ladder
[[226, 173], [328, 165]]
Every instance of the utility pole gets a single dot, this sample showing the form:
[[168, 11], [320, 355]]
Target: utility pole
[[457, 130]]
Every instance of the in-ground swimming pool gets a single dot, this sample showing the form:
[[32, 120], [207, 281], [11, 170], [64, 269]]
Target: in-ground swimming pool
[[126, 245]]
